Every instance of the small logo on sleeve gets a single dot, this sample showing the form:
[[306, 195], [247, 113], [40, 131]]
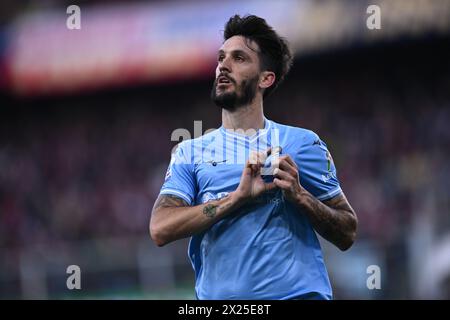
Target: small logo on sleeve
[[169, 169], [168, 173], [329, 161], [330, 175]]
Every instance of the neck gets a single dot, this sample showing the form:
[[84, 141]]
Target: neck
[[245, 117]]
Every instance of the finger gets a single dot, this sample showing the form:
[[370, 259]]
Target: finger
[[286, 158], [259, 158], [277, 150], [247, 170], [256, 169], [252, 158], [285, 162], [262, 156], [289, 160], [286, 166], [252, 168], [248, 164], [265, 154], [283, 175], [284, 185]]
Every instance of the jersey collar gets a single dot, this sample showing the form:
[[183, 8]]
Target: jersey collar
[[259, 132]]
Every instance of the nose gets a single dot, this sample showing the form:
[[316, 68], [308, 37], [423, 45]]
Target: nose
[[224, 65]]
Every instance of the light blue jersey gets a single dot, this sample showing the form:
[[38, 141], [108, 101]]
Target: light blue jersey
[[266, 249]]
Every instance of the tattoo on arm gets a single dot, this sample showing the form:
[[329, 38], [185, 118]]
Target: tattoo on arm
[[339, 202], [333, 219], [168, 200], [210, 210]]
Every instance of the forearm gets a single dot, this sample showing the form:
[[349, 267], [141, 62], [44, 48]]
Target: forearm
[[336, 223], [172, 223]]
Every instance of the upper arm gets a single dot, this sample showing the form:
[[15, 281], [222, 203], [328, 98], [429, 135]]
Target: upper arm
[[180, 179], [339, 202], [317, 171], [167, 201], [160, 216], [342, 223]]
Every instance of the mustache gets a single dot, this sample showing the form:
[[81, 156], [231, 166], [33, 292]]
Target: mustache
[[226, 76]]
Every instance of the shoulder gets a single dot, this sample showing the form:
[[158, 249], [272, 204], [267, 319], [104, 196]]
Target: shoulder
[[188, 143], [191, 149], [302, 136]]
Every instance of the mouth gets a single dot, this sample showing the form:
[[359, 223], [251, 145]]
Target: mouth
[[223, 80]]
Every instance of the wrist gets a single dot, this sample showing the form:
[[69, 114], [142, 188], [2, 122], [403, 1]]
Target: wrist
[[237, 198], [302, 198]]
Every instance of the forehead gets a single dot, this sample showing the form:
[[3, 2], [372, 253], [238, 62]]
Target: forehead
[[240, 43]]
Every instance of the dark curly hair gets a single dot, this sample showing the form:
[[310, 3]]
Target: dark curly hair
[[274, 54]]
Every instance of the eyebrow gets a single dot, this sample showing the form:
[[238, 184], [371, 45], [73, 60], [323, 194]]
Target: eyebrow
[[237, 51]]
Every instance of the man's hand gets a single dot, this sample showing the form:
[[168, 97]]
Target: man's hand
[[334, 219], [252, 185], [287, 179]]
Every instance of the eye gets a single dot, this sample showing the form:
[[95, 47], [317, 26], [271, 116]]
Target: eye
[[220, 58], [239, 58]]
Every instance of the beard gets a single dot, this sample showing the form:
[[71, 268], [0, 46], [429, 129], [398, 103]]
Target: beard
[[232, 100]]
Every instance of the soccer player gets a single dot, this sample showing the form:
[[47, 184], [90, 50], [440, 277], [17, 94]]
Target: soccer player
[[251, 193]]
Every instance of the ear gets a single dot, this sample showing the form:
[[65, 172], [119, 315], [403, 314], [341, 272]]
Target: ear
[[266, 79]]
